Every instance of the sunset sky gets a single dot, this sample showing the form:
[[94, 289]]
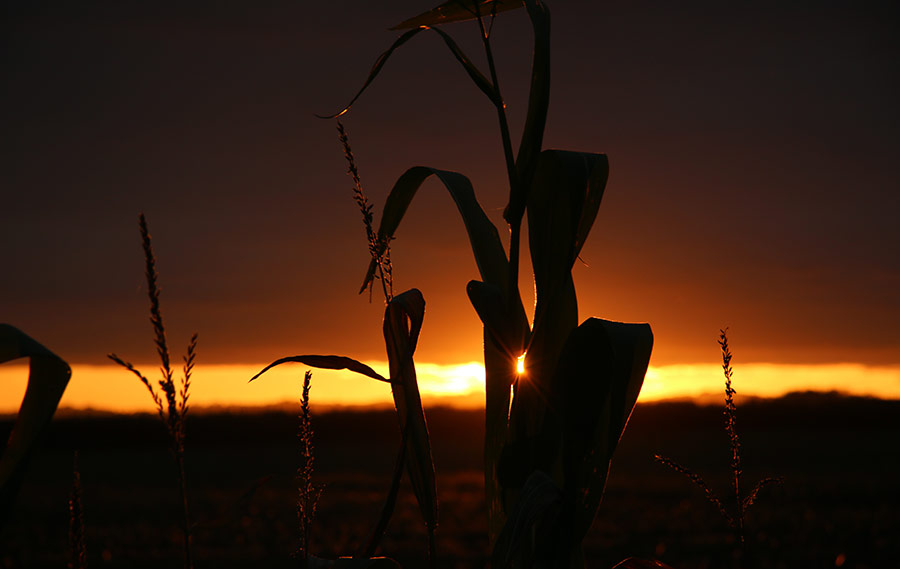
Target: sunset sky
[[753, 184]]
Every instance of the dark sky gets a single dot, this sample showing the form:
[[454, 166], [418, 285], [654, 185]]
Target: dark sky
[[753, 151]]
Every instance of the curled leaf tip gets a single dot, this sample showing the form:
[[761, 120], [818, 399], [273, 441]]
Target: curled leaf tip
[[334, 116]]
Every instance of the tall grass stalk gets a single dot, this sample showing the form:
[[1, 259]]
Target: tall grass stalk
[[379, 249], [77, 547], [733, 440], [309, 492], [172, 405], [740, 504]]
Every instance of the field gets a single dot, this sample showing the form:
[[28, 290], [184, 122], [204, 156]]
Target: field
[[837, 507]]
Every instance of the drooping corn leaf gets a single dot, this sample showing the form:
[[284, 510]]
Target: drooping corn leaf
[[459, 11], [600, 374], [483, 237], [538, 103], [47, 379], [402, 322], [509, 334], [564, 191], [376, 69], [562, 204], [470, 68], [326, 362], [475, 74]]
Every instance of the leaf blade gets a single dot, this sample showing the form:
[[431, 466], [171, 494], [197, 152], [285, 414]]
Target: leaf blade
[[403, 319], [483, 236], [603, 362], [376, 69], [326, 362], [48, 377], [538, 102]]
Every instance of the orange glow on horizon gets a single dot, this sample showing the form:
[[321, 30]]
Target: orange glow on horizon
[[110, 388]]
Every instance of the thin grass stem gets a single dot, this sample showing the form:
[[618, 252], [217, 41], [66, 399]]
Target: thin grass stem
[[172, 406], [390, 502], [77, 547]]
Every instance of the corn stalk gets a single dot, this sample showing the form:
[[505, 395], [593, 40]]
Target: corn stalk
[[548, 454]]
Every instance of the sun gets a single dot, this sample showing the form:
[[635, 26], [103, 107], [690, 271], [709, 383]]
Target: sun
[[520, 365]]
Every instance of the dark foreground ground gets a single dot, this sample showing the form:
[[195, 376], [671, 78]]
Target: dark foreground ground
[[838, 506]]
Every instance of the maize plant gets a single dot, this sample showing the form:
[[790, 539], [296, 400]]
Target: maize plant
[[403, 318], [547, 450], [48, 376]]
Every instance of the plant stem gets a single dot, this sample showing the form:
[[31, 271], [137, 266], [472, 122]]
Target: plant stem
[[513, 213], [388, 509], [179, 458]]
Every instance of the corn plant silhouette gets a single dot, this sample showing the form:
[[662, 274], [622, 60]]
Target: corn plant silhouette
[[547, 454], [402, 323], [173, 409]]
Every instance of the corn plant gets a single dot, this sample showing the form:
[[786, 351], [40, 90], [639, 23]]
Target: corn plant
[[402, 323], [547, 451], [48, 376]]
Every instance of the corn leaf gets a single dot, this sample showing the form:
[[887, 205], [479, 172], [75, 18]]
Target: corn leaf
[[504, 338], [47, 379], [402, 322], [470, 68], [376, 69], [509, 334], [459, 11], [538, 101], [563, 204], [566, 189], [600, 374], [327, 362], [483, 237]]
